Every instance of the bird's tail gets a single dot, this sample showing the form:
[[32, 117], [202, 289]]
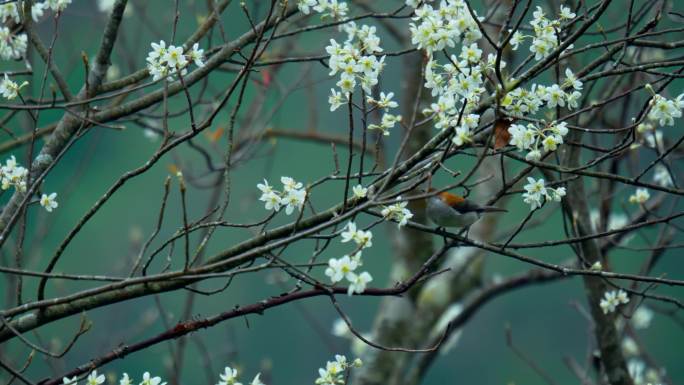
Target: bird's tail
[[492, 209]]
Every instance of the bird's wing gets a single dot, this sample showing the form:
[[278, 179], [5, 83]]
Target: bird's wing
[[469, 206], [466, 206]]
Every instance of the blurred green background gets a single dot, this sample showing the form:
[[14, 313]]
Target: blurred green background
[[288, 343]]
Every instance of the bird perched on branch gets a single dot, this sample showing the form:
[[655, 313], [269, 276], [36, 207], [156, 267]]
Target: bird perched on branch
[[451, 210]]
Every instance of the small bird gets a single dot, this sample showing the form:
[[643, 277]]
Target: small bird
[[451, 210]]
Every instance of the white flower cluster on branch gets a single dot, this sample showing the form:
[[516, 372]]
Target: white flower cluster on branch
[[228, 377], [535, 138], [328, 8], [545, 38], [536, 193], [345, 267], [640, 196], [397, 212], [355, 60], [13, 175], [12, 46], [334, 371], [612, 299], [664, 111], [436, 29], [10, 89], [292, 196], [163, 61]]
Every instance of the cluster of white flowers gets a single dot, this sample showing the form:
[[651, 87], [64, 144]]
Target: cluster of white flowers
[[355, 59], [357, 62], [328, 8], [520, 102], [13, 43], [537, 193], [10, 10], [293, 195], [545, 38], [10, 89], [363, 239], [454, 85], [530, 138], [165, 61], [388, 120], [12, 46], [458, 86], [333, 374], [13, 175], [640, 196], [397, 212], [612, 299], [436, 29], [92, 379], [345, 267], [641, 375], [55, 5], [229, 377], [663, 110]]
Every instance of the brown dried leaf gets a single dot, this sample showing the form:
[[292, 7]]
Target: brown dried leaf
[[501, 134]]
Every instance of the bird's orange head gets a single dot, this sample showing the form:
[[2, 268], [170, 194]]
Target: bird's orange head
[[450, 199]]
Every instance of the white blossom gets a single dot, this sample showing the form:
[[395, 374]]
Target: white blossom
[[357, 283], [57, 5], [49, 202], [9, 11], [536, 192], [360, 237], [125, 380], [612, 299], [640, 196], [340, 268], [566, 13], [359, 191], [10, 89], [397, 212], [228, 377], [664, 111], [94, 379], [306, 5]]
